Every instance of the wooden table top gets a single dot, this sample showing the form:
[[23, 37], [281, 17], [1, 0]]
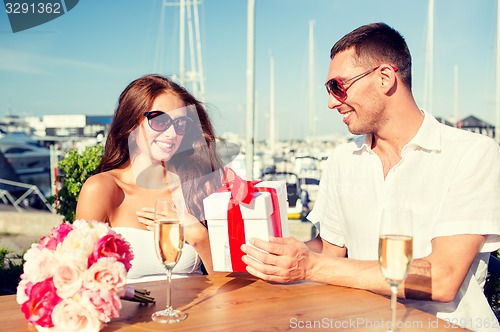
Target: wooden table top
[[240, 302]]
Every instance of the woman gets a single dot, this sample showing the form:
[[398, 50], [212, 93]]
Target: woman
[[160, 144]]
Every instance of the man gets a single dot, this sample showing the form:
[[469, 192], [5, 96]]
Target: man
[[450, 179]]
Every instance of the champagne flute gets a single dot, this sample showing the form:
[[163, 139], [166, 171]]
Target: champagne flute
[[395, 251], [169, 241]]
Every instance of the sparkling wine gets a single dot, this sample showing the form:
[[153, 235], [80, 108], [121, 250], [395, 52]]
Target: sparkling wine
[[169, 236], [395, 254]]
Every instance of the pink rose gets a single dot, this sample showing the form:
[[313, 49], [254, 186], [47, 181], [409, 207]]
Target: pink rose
[[57, 235], [106, 274], [69, 315], [42, 300], [67, 278], [112, 246], [107, 304]]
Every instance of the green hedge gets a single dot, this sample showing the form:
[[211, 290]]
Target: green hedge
[[74, 169], [11, 268]]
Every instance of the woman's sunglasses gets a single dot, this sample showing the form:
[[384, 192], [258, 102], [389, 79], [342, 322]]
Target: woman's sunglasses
[[161, 121], [337, 89]]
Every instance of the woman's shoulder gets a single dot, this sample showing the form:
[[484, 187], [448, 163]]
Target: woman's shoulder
[[102, 178], [98, 197], [105, 182]]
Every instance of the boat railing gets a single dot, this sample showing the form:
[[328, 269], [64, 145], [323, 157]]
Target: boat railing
[[6, 196]]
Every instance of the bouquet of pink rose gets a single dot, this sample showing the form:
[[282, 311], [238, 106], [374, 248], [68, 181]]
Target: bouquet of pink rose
[[74, 277]]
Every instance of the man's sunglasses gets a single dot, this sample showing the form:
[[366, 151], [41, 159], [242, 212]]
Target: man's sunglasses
[[337, 89], [161, 121]]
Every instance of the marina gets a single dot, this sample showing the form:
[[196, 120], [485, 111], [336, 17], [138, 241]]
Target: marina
[[27, 161], [30, 160]]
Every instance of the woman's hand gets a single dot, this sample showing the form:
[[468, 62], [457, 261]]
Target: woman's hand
[[194, 231], [146, 216]]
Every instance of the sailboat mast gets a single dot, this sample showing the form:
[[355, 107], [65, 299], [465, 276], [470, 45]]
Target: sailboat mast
[[159, 51], [272, 111], [310, 132], [192, 75], [201, 77], [429, 58], [497, 122], [250, 89], [188, 15], [455, 95], [182, 36]]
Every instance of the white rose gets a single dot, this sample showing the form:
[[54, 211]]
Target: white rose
[[93, 228], [77, 246], [39, 264], [69, 315], [21, 296]]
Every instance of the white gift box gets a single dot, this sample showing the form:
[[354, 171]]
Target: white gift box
[[257, 219]]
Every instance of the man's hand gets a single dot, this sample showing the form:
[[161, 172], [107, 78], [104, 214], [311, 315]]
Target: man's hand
[[286, 259]]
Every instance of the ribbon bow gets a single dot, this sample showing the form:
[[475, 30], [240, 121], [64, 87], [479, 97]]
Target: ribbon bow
[[242, 192]]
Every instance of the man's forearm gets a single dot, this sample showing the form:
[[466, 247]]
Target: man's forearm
[[418, 284]]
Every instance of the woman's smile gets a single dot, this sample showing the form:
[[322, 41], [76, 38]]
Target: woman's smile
[[165, 146]]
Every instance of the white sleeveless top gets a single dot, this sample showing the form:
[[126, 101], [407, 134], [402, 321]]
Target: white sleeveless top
[[146, 266]]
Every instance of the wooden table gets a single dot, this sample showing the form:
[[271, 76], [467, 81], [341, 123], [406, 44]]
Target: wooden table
[[240, 302]]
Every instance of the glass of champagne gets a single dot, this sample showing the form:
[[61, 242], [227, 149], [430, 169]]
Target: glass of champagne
[[395, 251], [169, 241]]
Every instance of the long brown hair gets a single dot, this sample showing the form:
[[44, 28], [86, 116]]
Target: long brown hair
[[197, 162]]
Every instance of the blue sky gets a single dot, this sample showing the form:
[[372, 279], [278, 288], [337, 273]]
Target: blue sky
[[80, 62]]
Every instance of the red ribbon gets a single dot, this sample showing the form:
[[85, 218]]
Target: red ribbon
[[242, 192], [276, 215]]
